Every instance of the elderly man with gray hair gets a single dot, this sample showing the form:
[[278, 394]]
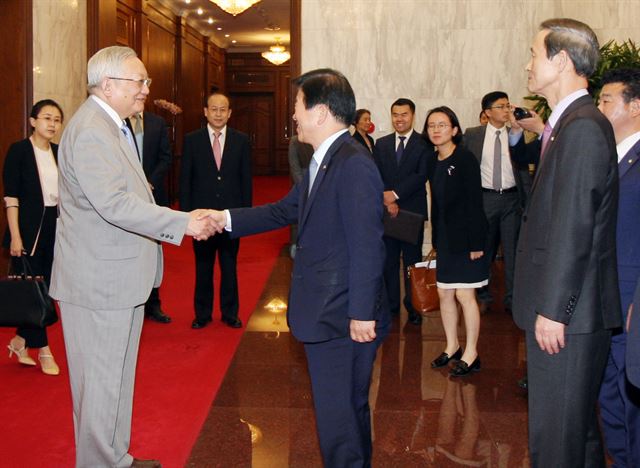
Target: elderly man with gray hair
[[107, 255], [566, 284]]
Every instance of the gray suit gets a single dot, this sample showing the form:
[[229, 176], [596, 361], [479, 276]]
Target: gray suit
[[106, 261]]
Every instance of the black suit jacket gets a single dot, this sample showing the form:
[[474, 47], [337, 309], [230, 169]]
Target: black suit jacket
[[360, 140], [22, 181], [202, 185], [461, 208], [156, 154], [566, 256], [474, 141], [408, 179]]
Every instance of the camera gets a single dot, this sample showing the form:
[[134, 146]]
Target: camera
[[521, 113]]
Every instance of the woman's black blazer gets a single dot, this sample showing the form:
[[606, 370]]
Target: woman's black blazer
[[359, 138], [464, 219], [22, 181]]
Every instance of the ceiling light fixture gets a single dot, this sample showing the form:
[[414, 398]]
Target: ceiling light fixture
[[199, 11], [276, 54], [234, 7], [210, 21]]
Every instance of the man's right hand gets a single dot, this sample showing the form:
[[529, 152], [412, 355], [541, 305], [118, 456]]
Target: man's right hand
[[201, 226], [393, 209]]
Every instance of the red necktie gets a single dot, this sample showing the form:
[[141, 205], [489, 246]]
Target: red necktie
[[217, 151]]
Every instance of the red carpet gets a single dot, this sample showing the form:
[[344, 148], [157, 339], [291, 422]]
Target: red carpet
[[179, 369]]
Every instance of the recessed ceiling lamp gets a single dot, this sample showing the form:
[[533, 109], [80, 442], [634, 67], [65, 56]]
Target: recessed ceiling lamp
[[276, 54], [234, 7]]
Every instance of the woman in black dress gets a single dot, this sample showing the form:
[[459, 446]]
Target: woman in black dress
[[362, 123], [30, 178], [459, 231]]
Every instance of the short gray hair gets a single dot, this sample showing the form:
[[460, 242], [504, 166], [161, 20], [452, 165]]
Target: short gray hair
[[577, 39], [107, 62]]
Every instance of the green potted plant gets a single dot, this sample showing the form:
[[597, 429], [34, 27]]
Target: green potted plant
[[612, 55]]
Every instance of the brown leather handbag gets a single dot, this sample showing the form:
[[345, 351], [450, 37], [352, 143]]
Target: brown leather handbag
[[422, 277]]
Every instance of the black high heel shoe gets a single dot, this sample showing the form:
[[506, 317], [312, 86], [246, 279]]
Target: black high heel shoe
[[462, 368], [444, 359]]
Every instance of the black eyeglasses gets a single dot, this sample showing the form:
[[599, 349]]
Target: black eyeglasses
[[143, 82]]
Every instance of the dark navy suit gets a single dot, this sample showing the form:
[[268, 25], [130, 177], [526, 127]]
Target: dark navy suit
[[337, 276], [633, 342], [619, 400], [408, 180]]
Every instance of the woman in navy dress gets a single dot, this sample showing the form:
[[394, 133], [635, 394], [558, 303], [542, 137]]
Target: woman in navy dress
[[459, 232]]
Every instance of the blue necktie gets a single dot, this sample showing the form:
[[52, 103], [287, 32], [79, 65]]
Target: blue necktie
[[129, 137], [313, 171], [400, 149]]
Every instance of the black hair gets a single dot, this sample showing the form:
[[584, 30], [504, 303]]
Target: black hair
[[453, 118], [216, 93], [629, 78], [404, 102], [331, 88], [38, 106], [493, 96], [359, 114]]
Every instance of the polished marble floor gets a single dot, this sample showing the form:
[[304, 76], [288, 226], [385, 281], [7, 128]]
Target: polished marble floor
[[263, 414]]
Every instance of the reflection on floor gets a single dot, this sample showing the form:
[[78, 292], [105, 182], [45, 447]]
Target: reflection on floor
[[263, 414]]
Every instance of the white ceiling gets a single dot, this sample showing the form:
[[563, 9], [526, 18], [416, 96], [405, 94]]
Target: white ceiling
[[253, 30]]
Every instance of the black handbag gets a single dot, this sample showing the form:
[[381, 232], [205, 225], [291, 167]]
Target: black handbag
[[25, 301]]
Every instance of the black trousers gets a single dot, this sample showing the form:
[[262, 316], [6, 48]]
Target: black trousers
[[411, 254], [40, 262], [227, 253], [563, 393]]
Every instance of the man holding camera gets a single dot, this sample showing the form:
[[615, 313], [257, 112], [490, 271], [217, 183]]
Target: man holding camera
[[503, 186]]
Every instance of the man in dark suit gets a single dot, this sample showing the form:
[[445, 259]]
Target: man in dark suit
[[566, 284], [503, 190], [337, 303], [619, 401], [633, 340], [216, 173], [154, 151], [401, 158]]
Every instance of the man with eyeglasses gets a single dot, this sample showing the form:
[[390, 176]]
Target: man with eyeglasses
[[401, 158], [107, 255], [503, 185]]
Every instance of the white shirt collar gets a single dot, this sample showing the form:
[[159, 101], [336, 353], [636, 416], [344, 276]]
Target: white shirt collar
[[109, 110], [625, 145], [223, 132], [319, 154], [492, 130], [563, 104], [408, 135]]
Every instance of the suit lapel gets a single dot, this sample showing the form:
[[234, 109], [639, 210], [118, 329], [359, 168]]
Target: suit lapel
[[581, 101], [629, 160], [322, 171]]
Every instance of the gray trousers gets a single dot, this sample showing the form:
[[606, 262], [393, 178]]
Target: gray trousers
[[503, 215], [102, 350]]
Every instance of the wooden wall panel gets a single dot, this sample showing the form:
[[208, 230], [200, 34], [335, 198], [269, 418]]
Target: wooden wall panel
[[159, 57], [192, 83], [16, 99]]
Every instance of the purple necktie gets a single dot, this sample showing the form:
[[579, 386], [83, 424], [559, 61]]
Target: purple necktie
[[545, 138]]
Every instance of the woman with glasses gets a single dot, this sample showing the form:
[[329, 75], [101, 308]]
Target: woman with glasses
[[362, 123], [459, 232], [31, 197]]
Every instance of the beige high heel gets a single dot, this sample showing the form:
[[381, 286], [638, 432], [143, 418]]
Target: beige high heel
[[51, 368], [22, 355]]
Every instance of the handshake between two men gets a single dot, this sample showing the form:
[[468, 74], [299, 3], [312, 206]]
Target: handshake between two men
[[205, 223]]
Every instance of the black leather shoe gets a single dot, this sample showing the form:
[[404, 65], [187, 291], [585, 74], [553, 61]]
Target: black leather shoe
[[232, 322], [137, 463], [197, 323], [415, 318], [462, 368], [444, 359], [157, 316]]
